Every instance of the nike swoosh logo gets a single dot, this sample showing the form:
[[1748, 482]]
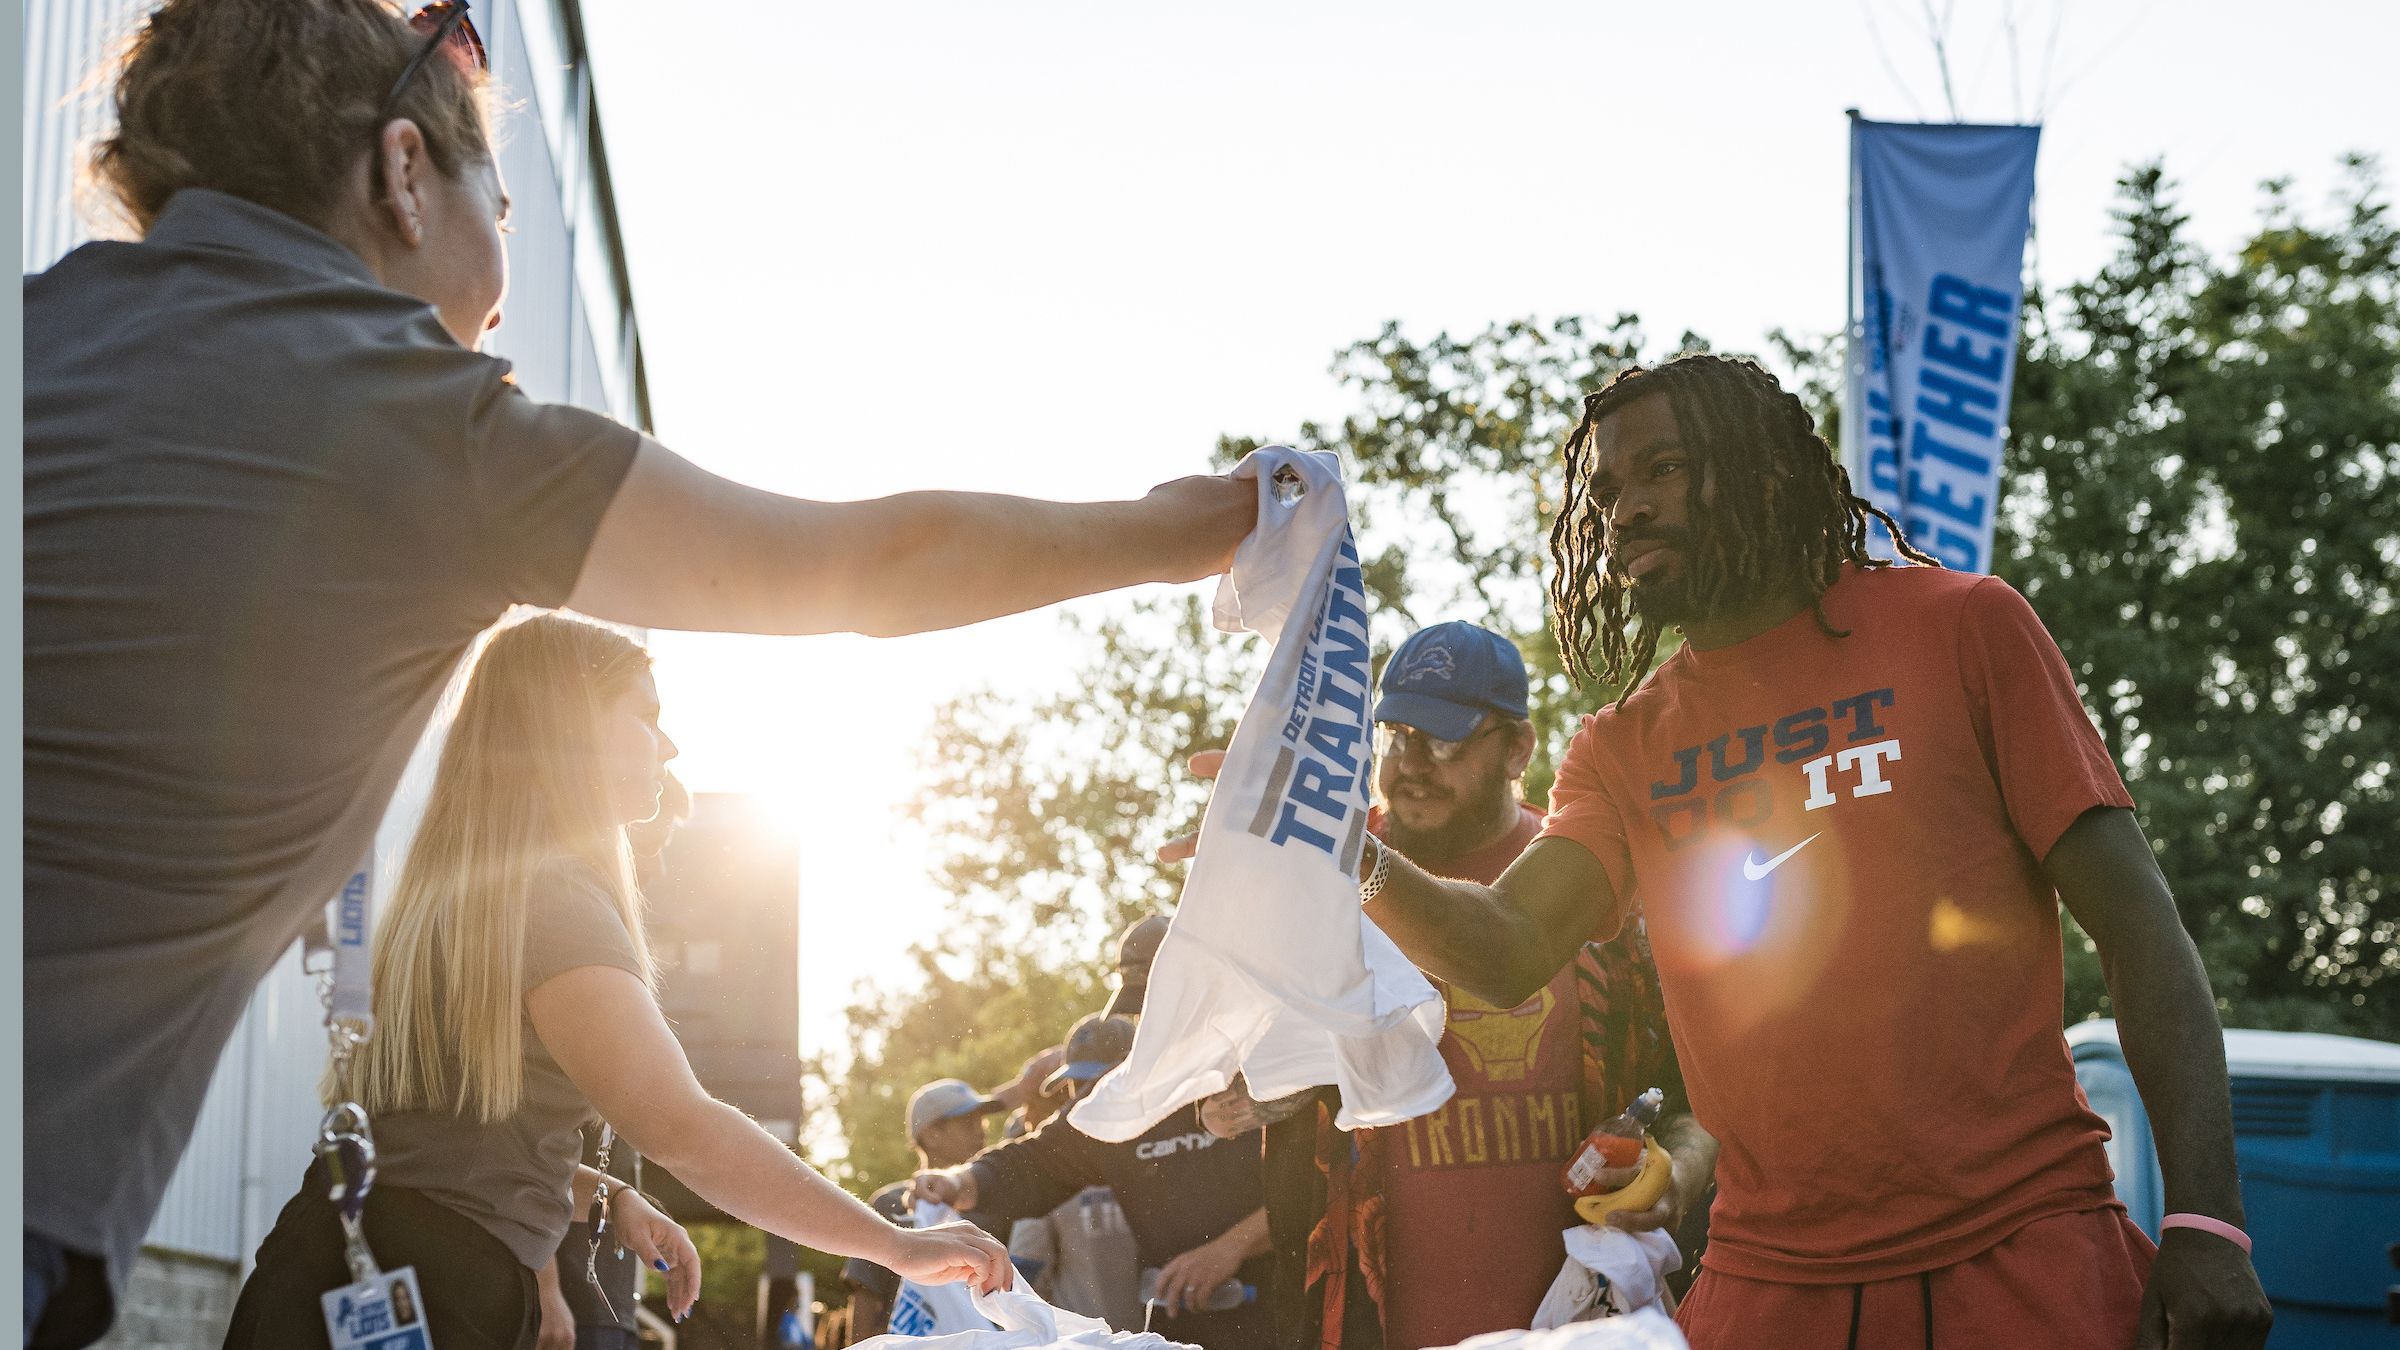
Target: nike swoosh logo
[[1754, 870]]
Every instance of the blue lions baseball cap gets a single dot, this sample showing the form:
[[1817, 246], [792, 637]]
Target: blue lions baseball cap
[[1445, 678]]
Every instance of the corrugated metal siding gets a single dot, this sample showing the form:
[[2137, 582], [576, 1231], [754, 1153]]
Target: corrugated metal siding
[[254, 1133], [288, 1021], [252, 1141], [64, 41], [539, 318], [201, 1214]]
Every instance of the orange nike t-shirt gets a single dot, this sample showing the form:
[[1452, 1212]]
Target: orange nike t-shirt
[[1836, 844]]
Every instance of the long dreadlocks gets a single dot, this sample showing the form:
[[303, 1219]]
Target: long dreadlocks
[[1782, 510]]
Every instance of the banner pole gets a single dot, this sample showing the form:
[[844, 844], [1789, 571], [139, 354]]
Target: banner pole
[[1853, 416]]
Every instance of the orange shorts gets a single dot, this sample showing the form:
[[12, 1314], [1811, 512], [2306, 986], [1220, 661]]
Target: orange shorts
[[2067, 1282]]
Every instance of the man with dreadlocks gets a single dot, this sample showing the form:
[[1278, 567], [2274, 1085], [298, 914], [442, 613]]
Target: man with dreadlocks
[[1848, 807]]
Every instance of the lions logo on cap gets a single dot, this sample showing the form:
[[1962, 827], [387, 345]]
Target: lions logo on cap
[[1433, 663]]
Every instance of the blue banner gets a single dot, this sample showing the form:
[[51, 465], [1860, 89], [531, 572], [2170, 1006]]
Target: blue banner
[[1938, 220]]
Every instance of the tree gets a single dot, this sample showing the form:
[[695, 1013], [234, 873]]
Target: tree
[[980, 1009], [2203, 503]]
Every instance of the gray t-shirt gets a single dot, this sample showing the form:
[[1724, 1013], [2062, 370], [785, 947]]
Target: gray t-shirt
[[511, 1176], [268, 505]]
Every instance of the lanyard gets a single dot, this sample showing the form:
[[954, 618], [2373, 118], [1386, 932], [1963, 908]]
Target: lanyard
[[598, 1220], [346, 1138]]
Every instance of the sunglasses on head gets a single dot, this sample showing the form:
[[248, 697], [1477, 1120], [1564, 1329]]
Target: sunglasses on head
[[1392, 740], [448, 30]]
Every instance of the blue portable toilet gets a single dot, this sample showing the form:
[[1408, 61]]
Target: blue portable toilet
[[2316, 1125]]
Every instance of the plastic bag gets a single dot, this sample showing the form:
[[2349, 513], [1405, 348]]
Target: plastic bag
[[1645, 1330], [933, 1310], [954, 1317], [1608, 1272], [1018, 1319]]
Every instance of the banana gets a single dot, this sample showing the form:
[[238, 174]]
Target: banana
[[1658, 1170]]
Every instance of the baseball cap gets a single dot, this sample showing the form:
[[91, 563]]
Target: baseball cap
[[1137, 947], [941, 1100], [1445, 678], [1098, 1043]]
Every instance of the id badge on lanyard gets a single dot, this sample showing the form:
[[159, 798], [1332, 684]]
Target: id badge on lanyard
[[378, 1309], [386, 1312]]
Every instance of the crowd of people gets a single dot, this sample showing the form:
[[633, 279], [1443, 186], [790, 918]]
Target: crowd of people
[[1156, 1232], [1803, 877]]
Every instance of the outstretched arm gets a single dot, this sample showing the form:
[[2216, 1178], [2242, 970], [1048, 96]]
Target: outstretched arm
[[605, 1031], [1500, 942], [680, 547], [1504, 941], [2202, 1291]]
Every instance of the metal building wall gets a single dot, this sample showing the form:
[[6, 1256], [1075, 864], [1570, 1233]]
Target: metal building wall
[[568, 326], [63, 41], [254, 1132]]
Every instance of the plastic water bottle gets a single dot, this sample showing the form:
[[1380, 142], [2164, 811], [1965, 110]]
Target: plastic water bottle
[[1616, 1143], [788, 1333]]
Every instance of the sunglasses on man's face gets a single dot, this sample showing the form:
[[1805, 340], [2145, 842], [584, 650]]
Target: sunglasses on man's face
[[1393, 741], [447, 30]]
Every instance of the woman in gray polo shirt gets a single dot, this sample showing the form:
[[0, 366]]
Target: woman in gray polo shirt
[[512, 993], [272, 493]]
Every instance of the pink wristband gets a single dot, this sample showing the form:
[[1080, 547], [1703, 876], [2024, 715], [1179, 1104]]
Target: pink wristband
[[2206, 1225]]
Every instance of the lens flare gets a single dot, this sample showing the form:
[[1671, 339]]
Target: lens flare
[[1754, 925]]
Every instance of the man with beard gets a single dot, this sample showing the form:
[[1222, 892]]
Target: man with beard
[[1449, 1226], [1848, 808]]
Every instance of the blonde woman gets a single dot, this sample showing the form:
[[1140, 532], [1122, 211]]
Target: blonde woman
[[512, 999]]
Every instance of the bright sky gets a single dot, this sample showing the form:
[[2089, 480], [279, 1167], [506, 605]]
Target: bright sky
[[1056, 249]]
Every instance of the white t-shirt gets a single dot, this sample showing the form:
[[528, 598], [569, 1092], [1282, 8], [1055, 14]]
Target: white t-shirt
[[1270, 967]]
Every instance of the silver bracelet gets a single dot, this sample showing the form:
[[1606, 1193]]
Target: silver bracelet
[[1373, 885]]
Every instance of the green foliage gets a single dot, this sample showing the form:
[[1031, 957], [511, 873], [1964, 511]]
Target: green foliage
[[1046, 817], [2203, 503], [978, 1011]]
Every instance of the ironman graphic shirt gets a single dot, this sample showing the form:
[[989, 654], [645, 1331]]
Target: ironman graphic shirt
[[1473, 1209], [1836, 842]]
